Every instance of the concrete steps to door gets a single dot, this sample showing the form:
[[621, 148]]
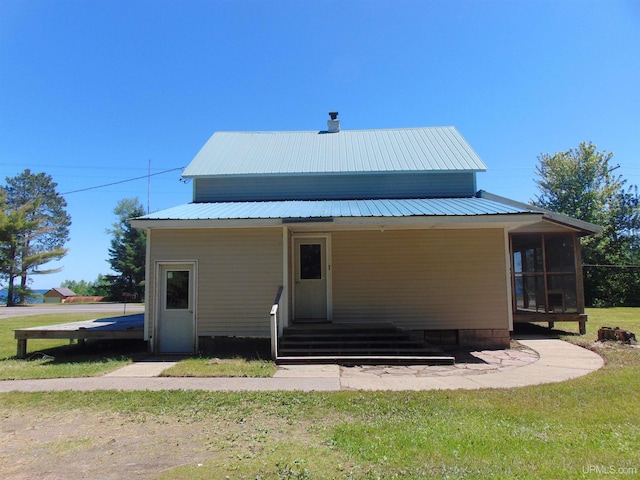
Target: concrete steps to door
[[351, 344]]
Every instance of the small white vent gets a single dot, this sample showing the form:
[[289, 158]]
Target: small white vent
[[333, 125]]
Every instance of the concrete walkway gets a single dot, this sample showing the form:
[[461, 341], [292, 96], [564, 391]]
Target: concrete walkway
[[553, 361]]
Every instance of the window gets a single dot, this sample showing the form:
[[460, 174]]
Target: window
[[544, 273], [177, 290], [311, 261]]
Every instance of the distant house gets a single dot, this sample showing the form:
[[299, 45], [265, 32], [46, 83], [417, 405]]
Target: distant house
[[58, 295], [353, 227]]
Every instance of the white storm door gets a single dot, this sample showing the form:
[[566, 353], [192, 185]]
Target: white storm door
[[310, 278], [176, 321]]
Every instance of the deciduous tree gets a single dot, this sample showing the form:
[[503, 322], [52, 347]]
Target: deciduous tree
[[581, 183], [100, 287]]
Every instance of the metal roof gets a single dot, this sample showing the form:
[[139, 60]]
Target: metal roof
[[346, 151], [63, 291], [308, 209]]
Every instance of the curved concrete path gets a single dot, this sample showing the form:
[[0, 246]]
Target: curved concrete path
[[558, 361]]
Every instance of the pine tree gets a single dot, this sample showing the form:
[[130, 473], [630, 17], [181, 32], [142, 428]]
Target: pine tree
[[128, 251], [37, 227]]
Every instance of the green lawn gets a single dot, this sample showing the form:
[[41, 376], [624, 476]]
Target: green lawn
[[221, 367], [565, 430]]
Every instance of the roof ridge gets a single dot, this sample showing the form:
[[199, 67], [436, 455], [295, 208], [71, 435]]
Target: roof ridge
[[341, 130]]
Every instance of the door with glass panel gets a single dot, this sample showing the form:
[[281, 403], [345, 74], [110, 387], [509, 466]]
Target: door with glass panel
[[176, 321], [310, 278]]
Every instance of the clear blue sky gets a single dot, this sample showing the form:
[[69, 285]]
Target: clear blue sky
[[90, 91]]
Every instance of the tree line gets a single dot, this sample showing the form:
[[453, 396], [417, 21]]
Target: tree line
[[34, 228]]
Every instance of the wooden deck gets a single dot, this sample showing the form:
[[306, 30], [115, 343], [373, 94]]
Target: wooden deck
[[127, 327]]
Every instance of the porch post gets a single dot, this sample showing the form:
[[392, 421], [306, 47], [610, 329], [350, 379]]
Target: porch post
[[510, 283], [284, 298], [577, 248], [148, 294]]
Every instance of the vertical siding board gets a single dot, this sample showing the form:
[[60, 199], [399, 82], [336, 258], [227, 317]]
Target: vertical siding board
[[239, 273], [421, 279]]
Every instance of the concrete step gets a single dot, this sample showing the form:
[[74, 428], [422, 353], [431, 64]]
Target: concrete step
[[350, 360], [352, 340]]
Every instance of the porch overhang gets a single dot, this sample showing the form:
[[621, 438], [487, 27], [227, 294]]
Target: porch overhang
[[580, 227]]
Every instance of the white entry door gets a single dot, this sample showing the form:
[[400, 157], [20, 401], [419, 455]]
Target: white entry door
[[176, 321], [311, 279]]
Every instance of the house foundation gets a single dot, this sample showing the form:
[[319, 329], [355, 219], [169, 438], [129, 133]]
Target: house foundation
[[484, 338]]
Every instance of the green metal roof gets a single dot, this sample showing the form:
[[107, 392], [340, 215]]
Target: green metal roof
[[338, 208], [437, 149]]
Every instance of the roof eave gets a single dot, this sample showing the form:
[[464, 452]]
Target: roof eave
[[322, 173], [582, 227], [504, 220]]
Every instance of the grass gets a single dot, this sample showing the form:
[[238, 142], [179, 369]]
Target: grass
[[563, 430], [216, 367], [234, 357], [57, 358]]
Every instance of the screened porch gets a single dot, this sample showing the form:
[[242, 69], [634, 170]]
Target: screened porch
[[547, 278]]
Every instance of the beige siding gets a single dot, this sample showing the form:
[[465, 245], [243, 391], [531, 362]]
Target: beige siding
[[239, 272], [421, 279]]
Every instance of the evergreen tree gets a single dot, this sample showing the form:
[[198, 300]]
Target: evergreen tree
[[581, 183], [128, 251], [37, 227]]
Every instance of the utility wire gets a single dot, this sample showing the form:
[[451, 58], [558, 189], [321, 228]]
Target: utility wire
[[610, 266], [123, 181]]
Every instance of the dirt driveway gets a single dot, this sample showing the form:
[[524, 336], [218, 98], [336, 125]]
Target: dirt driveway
[[87, 445], [83, 443]]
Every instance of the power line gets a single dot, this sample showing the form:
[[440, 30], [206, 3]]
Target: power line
[[610, 266], [123, 181]]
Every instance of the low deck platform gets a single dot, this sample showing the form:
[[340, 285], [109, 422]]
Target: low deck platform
[[126, 327]]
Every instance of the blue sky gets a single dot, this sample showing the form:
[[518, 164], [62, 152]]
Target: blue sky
[[91, 91]]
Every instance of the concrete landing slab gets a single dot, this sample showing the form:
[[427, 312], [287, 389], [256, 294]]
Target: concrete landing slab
[[307, 371], [145, 368]]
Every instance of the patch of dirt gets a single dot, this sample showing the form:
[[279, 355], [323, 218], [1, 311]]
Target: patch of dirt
[[596, 345], [113, 446]]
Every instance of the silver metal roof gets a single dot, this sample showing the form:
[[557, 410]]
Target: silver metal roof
[[337, 208], [346, 151]]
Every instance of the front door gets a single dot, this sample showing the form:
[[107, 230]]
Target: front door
[[311, 279], [176, 321]]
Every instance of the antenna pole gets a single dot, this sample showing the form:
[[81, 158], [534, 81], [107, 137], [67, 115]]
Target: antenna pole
[[149, 188]]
